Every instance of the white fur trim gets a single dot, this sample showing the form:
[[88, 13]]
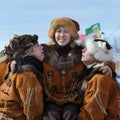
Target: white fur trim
[[98, 49], [3, 58]]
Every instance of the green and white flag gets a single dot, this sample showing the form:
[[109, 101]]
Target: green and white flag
[[95, 28]]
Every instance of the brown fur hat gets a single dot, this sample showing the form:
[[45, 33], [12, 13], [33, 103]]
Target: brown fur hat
[[19, 46], [71, 26]]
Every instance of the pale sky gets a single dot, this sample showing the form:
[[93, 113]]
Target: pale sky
[[34, 16]]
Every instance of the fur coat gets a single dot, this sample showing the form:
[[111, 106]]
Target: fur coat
[[20, 95], [100, 96]]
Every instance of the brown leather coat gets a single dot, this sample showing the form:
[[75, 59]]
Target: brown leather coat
[[100, 100], [61, 75], [20, 95]]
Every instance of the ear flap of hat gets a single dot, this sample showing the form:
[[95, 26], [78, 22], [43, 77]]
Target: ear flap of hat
[[102, 56]]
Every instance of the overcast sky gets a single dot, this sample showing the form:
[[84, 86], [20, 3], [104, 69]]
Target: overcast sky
[[34, 16]]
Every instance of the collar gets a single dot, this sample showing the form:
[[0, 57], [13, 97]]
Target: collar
[[95, 65]]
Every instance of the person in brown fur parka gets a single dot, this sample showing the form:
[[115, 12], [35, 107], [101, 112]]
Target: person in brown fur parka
[[21, 95], [62, 67], [100, 101]]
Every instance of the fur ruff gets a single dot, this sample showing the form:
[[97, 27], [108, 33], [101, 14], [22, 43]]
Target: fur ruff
[[62, 62]]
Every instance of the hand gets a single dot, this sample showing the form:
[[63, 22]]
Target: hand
[[106, 70]]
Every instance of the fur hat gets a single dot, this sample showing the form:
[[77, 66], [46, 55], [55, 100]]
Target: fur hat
[[100, 48], [71, 26], [19, 46]]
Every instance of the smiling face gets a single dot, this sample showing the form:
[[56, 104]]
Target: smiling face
[[62, 36]]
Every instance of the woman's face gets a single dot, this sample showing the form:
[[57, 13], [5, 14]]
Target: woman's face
[[87, 57], [37, 52], [62, 36], [13, 66]]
